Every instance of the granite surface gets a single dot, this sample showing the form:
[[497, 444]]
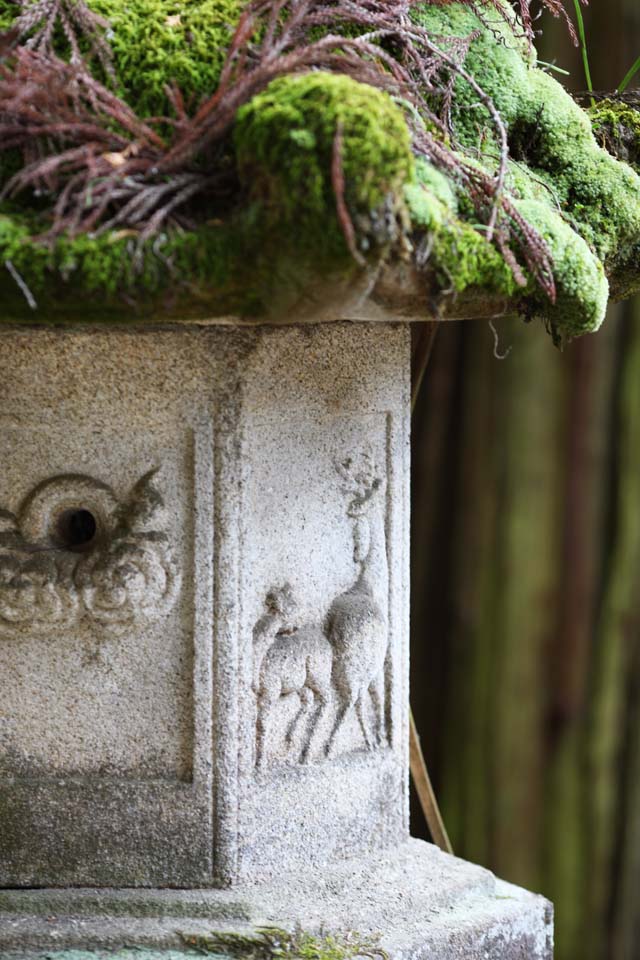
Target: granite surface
[[203, 601]]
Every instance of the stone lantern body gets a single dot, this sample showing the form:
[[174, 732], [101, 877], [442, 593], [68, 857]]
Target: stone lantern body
[[204, 643], [203, 602]]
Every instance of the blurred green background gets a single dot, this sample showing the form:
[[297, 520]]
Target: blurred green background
[[526, 590]]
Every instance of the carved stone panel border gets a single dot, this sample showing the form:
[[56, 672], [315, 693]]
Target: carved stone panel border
[[324, 749], [145, 564]]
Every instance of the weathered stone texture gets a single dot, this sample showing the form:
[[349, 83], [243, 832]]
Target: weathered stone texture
[[204, 648], [419, 902], [211, 679]]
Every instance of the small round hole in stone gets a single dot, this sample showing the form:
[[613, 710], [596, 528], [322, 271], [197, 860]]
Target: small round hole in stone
[[77, 529]]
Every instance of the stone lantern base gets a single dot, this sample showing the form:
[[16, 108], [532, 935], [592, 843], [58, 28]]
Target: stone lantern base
[[414, 903]]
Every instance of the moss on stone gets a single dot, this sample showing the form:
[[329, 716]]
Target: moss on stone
[[269, 943], [617, 128], [461, 256], [161, 42], [285, 140], [570, 184], [286, 229], [582, 288], [115, 268]]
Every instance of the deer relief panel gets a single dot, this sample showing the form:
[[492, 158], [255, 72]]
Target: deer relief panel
[[320, 684]]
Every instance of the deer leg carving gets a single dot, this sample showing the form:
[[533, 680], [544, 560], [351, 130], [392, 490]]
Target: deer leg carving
[[364, 724], [306, 699], [376, 691], [312, 726], [340, 718]]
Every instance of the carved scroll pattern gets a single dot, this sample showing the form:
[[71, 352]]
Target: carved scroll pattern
[[126, 574], [338, 665]]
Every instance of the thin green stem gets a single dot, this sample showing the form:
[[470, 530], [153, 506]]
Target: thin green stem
[[629, 76], [583, 48]]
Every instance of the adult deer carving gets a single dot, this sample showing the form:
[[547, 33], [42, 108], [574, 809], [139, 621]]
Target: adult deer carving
[[357, 622]]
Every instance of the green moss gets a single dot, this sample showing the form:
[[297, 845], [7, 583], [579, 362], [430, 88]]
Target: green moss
[[270, 943], [617, 129], [431, 182], [285, 234], [286, 231], [161, 42], [582, 288], [460, 254], [237, 267], [112, 269], [576, 185], [285, 139], [8, 12]]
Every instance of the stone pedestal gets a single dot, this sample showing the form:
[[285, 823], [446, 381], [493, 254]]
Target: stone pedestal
[[204, 646]]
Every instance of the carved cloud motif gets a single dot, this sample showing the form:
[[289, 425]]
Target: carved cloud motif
[[122, 573]]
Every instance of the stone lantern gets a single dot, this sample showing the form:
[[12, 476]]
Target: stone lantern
[[204, 566], [204, 643]]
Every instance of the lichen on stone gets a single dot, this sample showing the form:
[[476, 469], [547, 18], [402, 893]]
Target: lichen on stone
[[272, 943]]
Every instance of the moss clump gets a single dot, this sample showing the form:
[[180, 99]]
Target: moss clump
[[285, 233], [460, 255], [8, 12], [582, 288], [574, 184], [305, 134], [160, 42], [157, 43], [617, 128], [213, 265], [285, 140], [269, 943]]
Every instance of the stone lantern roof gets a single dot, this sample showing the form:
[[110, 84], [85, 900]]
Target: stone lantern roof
[[386, 160]]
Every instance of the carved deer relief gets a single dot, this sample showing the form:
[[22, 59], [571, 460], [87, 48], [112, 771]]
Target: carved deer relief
[[338, 664], [291, 659], [357, 622]]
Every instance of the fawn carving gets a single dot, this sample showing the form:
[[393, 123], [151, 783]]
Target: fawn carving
[[292, 660], [340, 662]]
